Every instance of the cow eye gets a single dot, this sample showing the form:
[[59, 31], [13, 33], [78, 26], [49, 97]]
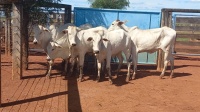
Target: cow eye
[[89, 39], [52, 49]]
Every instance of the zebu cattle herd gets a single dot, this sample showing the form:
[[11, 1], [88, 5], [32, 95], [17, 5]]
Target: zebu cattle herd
[[71, 43]]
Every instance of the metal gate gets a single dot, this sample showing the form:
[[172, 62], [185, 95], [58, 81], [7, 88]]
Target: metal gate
[[100, 17], [187, 26]]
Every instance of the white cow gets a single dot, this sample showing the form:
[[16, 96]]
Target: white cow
[[80, 43], [150, 41], [53, 49], [59, 49], [113, 44]]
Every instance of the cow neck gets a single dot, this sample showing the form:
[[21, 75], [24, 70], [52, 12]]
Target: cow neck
[[124, 27], [63, 41]]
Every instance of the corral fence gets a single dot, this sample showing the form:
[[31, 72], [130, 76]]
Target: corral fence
[[169, 20], [188, 33], [16, 33]]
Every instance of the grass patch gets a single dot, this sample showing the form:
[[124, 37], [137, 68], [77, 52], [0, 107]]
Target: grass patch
[[183, 39]]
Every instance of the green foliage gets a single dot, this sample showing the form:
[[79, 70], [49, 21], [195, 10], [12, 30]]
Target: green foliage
[[109, 4]]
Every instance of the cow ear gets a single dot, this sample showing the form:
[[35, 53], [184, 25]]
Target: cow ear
[[52, 43], [58, 45], [65, 31], [89, 39], [100, 32], [78, 29], [104, 39], [120, 23], [45, 29], [125, 21]]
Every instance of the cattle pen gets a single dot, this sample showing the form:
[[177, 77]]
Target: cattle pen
[[36, 93]]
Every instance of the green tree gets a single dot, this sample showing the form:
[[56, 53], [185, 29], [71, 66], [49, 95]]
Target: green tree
[[109, 4]]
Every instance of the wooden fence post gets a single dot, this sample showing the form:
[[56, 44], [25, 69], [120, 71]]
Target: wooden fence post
[[0, 72], [160, 57], [17, 41], [67, 16], [8, 33], [24, 36]]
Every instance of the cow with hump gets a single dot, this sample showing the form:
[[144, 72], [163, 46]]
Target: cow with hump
[[82, 43], [54, 45], [114, 43], [150, 41]]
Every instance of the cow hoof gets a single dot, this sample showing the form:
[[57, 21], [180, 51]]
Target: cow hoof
[[80, 80], [106, 75], [117, 76], [161, 76], [110, 80], [170, 77], [127, 79], [133, 77], [98, 79], [47, 77]]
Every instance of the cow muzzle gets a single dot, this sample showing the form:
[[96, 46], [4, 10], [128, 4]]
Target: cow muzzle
[[34, 42], [96, 52], [73, 44]]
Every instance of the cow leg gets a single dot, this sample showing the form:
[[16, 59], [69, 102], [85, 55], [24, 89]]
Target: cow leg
[[81, 62], [50, 64], [171, 64], [166, 60], [128, 56], [108, 68], [72, 63], [77, 65], [172, 67], [135, 61], [66, 65], [99, 70], [120, 58], [104, 67]]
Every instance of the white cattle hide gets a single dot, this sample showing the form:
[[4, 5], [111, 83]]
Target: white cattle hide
[[56, 31], [59, 49], [150, 41], [114, 43], [53, 49], [71, 32], [83, 44], [42, 36], [85, 26]]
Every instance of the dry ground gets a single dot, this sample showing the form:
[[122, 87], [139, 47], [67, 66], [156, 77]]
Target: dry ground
[[147, 93]]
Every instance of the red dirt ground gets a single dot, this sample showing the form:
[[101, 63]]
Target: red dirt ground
[[147, 93]]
